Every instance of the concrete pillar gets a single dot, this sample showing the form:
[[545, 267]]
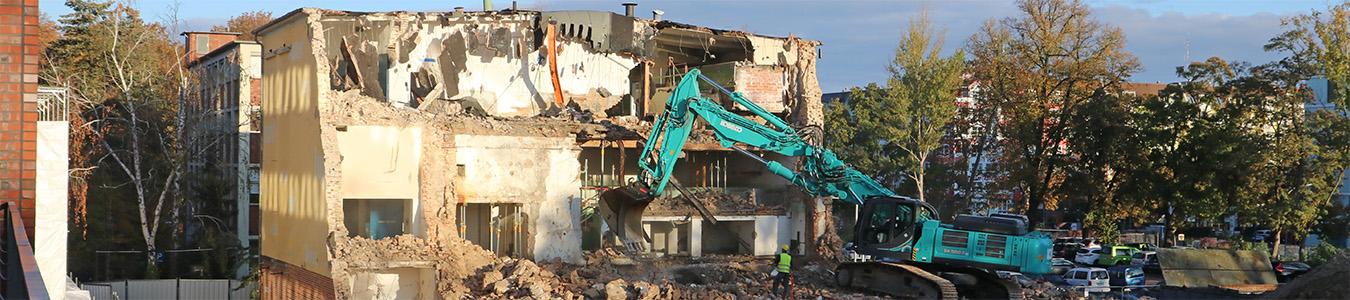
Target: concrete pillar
[[696, 238]]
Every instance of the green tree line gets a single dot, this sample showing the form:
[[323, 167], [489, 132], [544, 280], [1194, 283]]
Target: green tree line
[[1050, 125]]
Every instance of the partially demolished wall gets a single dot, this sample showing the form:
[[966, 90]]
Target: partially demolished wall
[[449, 109]]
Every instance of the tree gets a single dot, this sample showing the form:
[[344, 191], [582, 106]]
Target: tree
[[1319, 44], [895, 129], [1309, 154], [1106, 154], [1048, 61], [245, 23], [115, 67]]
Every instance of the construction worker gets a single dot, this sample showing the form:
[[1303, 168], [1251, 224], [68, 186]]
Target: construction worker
[[782, 268]]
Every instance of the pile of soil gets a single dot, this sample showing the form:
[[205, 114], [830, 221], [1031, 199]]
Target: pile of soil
[[1328, 281]]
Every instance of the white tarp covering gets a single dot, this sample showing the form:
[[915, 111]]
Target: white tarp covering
[[49, 237]]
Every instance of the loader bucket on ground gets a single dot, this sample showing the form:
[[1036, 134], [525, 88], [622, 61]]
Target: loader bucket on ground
[[621, 208]]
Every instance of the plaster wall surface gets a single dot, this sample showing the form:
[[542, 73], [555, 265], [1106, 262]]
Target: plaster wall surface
[[382, 162], [538, 172]]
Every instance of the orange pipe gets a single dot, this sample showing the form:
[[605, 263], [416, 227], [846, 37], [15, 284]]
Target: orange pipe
[[551, 38]]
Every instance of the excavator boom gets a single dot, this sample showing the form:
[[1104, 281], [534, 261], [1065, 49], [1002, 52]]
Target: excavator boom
[[902, 232]]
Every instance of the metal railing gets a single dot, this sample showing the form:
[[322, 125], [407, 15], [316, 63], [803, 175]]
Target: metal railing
[[205, 289], [52, 104], [1121, 289], [21, 279]]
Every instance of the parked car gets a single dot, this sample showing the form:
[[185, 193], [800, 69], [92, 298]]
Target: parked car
[[1148, 260], [1066, 249], [1262, 235], [1069, 239], [1095, 279], [1087, 256], [1287, 270], [1059, 266], [1116, 255], [1022, 280], [1126, 275]]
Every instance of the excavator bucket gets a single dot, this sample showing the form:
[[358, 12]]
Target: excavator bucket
[[621, 208]]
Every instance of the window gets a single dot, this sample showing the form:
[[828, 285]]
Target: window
[[890, 224], [1099, 275], [203, 44], [1078, 275], [498, 227], [376, 218]]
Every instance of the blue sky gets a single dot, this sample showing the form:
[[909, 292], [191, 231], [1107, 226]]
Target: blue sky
[[860, 36]]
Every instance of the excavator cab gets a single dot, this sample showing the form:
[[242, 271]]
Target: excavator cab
[[888, 226]]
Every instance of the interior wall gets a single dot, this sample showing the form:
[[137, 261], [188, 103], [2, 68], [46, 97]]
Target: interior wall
[[382, 162], [487, 61], [538, 172]]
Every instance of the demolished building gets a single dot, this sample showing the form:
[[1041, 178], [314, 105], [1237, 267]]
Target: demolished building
[[394, 141]]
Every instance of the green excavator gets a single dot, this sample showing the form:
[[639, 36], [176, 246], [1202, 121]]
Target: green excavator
[[911, 253]]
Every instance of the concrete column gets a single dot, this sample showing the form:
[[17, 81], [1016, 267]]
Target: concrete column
[[696, 238]]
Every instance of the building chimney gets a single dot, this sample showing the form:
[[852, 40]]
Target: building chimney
[[628, 9], [487, 5], [656, 14]]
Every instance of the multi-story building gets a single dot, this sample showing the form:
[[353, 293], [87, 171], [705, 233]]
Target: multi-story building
[[224, 127], [1321, 89], [394, 139]]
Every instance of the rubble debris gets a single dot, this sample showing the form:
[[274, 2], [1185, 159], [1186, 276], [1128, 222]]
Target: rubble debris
[[720, 202], [1327, 281]]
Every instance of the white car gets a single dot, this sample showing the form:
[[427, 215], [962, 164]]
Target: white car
[[1088, 256], [1145, 259], [1094, 279]]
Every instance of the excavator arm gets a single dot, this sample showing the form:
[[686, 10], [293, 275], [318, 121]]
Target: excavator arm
[[820, 171]]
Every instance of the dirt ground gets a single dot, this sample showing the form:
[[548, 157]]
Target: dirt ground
[[1328, 281]]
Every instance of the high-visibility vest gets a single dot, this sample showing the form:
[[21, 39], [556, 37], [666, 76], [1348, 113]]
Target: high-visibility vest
[[784, 262]]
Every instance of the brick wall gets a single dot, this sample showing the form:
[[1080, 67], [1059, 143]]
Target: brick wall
[[213, 40], [19, 53], [281, 280]]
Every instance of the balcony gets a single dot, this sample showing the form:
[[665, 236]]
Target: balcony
[[21, 279]]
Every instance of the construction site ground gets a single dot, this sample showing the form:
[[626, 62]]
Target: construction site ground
[[607, 275]]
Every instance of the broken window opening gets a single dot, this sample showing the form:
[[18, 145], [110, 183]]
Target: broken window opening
[[498, 227], [728, 237], [376, 218], [669, 237]]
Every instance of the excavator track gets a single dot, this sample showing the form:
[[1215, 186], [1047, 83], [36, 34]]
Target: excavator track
[[929, 281], [899, 280]]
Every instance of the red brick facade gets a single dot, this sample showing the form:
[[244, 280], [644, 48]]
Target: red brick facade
[[281, 280], [19, 52]]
